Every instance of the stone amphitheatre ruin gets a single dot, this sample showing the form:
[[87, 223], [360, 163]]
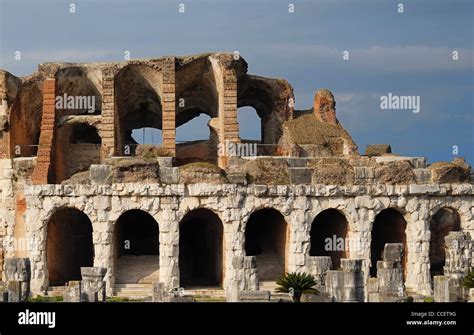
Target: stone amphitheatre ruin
[[78, 191]]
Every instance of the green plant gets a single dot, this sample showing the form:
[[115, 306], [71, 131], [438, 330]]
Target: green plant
[[40, 298], [428, 299], [469, 280], [296, 284]]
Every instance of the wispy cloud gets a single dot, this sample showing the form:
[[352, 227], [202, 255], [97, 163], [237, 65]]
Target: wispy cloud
[[383, 59]]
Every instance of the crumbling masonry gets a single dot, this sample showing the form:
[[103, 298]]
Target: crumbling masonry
[[77, 190]]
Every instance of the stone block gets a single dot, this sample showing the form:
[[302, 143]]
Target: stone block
[[441, 289], [169, 175], [158, 294], [254, 296], [393, 252], [73, 292], [422, 176], [14, 291], [237, 178], [165, 161], [100, 174], [300, 175]]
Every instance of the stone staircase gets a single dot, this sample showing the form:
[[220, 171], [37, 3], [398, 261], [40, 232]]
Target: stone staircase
[[138, 269], [269, 266], [271, 286], [133, 291]]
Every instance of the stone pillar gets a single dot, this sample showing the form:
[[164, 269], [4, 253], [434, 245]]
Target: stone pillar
[[448, 288], [107, 129], [226, 84], [18, 270], [102, 237], [318, 266], [441, 289], [14, 291], [169, 244], [459, 250], [46, 141], [169, 105], [73, 292], [390, 271], [93, 284], [324, 107], [346, 285]]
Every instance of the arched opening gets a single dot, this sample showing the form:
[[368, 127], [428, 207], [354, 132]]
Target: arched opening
[[329, 236], [201, 249], [78, 150], [266, 237], [137, 248], [389, 227], [25, 120], [196, 141], [250, 124], [147, 135], [197, 112], [445, 220], [84, 134], [69, 246], [138, 101]]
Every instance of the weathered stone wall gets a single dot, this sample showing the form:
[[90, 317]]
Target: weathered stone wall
[[234, 204], [7, 210]]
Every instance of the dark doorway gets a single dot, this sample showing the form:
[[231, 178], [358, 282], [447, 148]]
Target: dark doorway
[[69, 246], [200, 249], [137, 248], [329, 236], [444, 221], [266, 238], [389, 227]]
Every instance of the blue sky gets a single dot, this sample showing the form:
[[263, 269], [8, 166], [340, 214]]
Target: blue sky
[[406, 53]]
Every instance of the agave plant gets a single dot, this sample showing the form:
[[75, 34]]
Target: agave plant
[[296, 284]]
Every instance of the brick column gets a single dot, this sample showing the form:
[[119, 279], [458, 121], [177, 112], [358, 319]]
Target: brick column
[[229, 131], [108, 113], [46, 140], [168, 105]]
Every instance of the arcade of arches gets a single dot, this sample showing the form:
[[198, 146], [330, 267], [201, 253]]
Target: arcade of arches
[[201, 243]]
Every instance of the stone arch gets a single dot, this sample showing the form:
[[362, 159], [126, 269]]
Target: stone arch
[[136, 248], [271, 99], [69, 245], [267, 238], [78, 81], [445, 219], [389, 226], [25, 120], [138, 101], [329, 236], [79, 148], [197, 95], [201, 249]]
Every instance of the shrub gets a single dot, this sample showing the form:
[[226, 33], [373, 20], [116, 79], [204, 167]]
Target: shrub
[[297, 284]]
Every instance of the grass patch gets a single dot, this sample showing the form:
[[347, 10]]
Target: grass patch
[[122, 299], [40, 298]]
